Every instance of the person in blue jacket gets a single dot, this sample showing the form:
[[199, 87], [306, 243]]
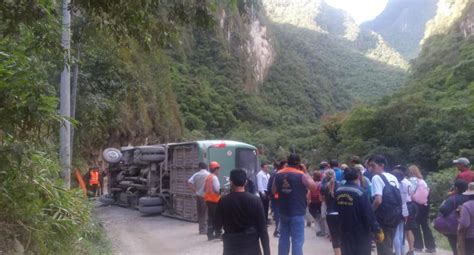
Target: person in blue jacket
[[357, 219]]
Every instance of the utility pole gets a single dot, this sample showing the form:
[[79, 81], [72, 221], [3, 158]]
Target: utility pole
[[65, 98]]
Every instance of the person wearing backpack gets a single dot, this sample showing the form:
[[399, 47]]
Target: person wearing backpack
[[387, 202], [420, 197], [446, 223]]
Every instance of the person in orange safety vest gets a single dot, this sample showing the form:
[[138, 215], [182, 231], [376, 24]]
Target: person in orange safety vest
[[212, 196], [94, 181]]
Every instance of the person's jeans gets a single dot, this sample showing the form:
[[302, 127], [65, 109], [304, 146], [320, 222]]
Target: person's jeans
[[201, 214], [427, 239], [468, 246], [276, 214], [399, 240], [453, 242], [265, 203], [212, 230], [291, 227], [315, 211]]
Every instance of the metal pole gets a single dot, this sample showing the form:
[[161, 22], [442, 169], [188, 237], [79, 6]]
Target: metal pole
[[65, 98]]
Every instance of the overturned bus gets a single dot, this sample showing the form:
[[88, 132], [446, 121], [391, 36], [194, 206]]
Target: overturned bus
[[153, 178]]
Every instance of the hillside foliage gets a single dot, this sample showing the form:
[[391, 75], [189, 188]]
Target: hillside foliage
[[159, 71], [429, 121], [402, 24]]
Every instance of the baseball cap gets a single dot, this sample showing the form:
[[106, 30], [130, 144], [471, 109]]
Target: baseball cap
[[463, 161]]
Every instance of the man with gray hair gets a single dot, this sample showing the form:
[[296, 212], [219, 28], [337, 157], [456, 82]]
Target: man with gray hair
[[196, 184], [465, 172]]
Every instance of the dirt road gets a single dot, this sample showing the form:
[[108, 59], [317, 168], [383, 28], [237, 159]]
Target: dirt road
[[132, 234]]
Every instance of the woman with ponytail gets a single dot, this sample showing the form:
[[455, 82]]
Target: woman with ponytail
[[332, 216]]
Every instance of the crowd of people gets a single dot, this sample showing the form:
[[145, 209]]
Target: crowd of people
[[359, 207]]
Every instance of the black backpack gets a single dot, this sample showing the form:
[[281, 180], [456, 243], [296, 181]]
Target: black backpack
[[389, 213]]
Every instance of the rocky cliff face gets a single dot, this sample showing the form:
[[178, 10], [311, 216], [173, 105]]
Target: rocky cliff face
[[321, 18], [248, 34], [260, 49], [448, 13], [467, 23]]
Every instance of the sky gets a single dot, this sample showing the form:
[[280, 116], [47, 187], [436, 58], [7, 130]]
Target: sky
[[360, 10]]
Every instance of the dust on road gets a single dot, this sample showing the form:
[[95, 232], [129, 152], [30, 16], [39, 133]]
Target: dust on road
[[131, 233]]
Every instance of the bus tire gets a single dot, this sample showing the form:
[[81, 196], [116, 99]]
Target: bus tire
[[151, 157], [151, 149], [150, 201], [148, 210]]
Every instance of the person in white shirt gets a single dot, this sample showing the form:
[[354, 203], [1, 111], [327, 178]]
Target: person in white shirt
[[262, 184], [376, 165], [399, 240], [196, 184]]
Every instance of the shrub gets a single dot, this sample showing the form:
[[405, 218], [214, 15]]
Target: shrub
[[36, 210], [440, 183]]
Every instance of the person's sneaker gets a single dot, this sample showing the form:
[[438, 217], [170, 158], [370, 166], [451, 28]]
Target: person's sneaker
[[320, 233], [410, 253], [418, 250], [430, 250]]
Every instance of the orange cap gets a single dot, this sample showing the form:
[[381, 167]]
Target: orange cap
[[214, 165]]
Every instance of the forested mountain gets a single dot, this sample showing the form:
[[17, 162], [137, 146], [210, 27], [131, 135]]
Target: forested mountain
[[274, 74], [430, 121], [327, 57], [239, 78], [402, 24]]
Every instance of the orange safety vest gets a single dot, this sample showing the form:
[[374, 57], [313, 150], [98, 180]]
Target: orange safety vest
[[209, 194], [94, 180]]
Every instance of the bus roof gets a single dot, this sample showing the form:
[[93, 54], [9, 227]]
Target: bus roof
[[208, 143]]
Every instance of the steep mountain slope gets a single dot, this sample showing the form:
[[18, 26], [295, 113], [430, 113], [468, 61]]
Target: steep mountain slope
[[430, 121], [237, 79], [402, 24], [325, 61]]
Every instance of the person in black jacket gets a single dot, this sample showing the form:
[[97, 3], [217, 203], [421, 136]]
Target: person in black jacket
[[242, 216], [274, 198], [357, 219]]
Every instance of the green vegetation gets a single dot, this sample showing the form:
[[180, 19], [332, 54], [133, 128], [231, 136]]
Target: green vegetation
[[38, 215], [429, 122], [161, 72], [36, 210], [402, 24]]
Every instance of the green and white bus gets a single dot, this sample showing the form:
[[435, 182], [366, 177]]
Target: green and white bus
[[153, 178]]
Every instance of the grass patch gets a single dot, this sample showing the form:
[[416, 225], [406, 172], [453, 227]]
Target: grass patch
[[97, 243]]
